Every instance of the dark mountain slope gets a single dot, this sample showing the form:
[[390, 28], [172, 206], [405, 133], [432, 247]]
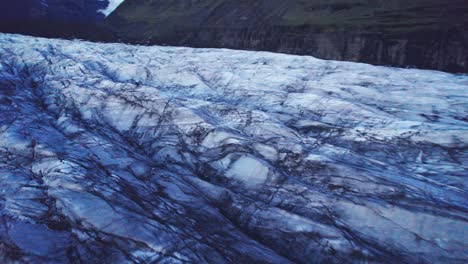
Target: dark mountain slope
[[54, 18], [427, 34], [58, 10]]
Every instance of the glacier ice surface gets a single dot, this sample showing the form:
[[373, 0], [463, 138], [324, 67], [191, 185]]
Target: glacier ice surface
[[113, 153]]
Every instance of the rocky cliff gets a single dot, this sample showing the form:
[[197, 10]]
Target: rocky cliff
[[426, 34]]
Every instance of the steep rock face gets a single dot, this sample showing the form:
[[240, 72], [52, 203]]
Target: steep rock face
[[112, 153], [443, 50], [427, 34]]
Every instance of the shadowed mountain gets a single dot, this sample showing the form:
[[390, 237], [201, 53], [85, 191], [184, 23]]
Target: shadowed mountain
[[426, 34], [54, 18]]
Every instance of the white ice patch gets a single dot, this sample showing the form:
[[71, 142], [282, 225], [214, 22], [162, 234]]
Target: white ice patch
[[249, 170], [113, 4], [219, 138]]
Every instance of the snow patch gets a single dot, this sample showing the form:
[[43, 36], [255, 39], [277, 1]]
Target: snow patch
[[113, 4]]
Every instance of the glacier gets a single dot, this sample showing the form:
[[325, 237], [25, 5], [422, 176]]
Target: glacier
[[112, 153]]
